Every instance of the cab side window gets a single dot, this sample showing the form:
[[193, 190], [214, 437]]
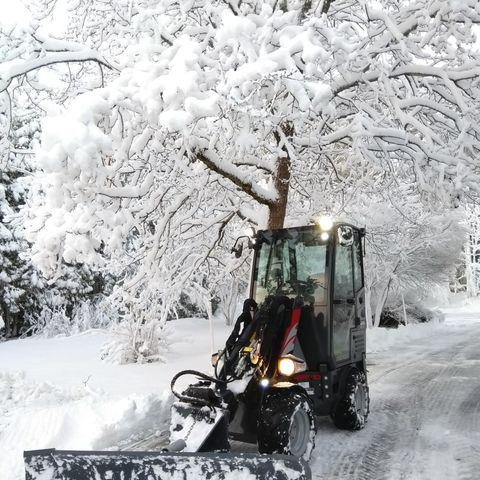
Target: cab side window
[[357, 261], [343, 283]]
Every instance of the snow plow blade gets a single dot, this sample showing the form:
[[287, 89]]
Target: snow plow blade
[[77, 465]]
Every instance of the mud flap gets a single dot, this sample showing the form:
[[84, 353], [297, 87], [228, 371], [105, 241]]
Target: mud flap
[[77, 465]]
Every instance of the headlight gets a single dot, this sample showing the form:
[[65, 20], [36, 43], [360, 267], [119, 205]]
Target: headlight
[[325, 223], [264, 382], [286, 366], [289, 365]]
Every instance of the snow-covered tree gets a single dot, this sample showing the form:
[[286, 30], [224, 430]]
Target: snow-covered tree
[[29, 301], [258, 92], [12, 268], [411, 250], [467, 275], [413, 239], [19, 282], [230, 111]]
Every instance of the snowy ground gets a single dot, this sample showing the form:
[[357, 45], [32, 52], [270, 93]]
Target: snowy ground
[[425, 410], [424, 383], [59, 393]]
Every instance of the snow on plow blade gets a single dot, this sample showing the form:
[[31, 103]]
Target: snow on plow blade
[[77, 465]]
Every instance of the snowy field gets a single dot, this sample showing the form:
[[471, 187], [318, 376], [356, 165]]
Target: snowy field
[[424, 381], [59, 393]]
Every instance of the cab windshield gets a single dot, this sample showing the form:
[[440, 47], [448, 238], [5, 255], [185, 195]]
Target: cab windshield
[[291, 263]]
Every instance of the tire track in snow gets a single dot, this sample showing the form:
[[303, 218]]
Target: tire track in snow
[[467, 445], [386, 427], [413, 409], [372, 462], [431, 419], [433, 448], [395, 425]]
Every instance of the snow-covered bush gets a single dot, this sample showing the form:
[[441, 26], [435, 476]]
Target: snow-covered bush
[[394, 315], [62, 318], [51, 321], [230, 299], [140, 333]]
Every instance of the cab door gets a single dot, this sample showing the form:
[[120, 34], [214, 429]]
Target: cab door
[[343, 301], [359, 335]]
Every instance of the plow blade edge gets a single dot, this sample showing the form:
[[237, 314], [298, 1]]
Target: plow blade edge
[[77, 465]]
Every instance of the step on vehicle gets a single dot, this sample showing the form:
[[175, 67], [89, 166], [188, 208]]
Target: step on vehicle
[[297, 352]]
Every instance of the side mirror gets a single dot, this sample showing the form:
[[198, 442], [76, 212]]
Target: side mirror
[[237, 250], [345, 236]]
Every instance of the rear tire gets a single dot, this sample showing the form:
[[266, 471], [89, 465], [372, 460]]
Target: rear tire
[[287, 424], [351, 412]]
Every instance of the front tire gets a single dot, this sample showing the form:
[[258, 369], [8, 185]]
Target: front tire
[[351, 412], [287, 424]]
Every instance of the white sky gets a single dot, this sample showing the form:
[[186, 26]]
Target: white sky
[[13, 13]]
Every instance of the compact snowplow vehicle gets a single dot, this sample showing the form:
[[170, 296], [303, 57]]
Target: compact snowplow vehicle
[[296, 352]]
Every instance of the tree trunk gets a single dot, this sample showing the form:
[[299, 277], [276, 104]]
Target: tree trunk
[[382, 299], [278, 209], [380, 304], [368, 305], [3, 314]]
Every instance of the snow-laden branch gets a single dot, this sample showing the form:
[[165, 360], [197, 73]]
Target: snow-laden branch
[[448, 75], [394, 33], [440, 72], [16, 68], [236, 176], [128, 191], [434, 106], [45, 52]]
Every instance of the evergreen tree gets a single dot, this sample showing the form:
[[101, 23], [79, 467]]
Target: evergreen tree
[[28, 301], [20, 284]]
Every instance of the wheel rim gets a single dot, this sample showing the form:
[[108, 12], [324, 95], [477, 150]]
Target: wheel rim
[[299, 433], [360, 400]]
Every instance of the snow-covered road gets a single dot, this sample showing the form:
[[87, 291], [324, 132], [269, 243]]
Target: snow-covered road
[[425, 412]]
